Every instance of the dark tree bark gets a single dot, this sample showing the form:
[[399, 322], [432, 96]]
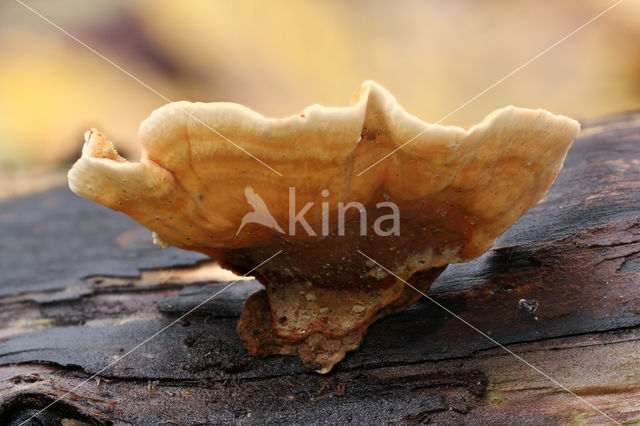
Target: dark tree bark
[[81, 286]]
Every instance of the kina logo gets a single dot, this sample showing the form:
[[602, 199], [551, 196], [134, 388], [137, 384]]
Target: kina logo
[[262, 216]]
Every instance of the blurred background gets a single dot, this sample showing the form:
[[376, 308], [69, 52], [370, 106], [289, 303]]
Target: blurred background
[[277, 57]]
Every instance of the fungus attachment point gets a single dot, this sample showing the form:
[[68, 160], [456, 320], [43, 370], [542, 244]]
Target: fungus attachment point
[[443, 198]]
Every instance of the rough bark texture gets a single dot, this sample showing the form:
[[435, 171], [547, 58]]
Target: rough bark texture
[[561, 290]]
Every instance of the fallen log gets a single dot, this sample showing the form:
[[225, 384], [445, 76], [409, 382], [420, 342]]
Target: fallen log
[[82, 286]]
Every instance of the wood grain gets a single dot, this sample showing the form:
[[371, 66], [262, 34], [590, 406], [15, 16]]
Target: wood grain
[[561, 289]]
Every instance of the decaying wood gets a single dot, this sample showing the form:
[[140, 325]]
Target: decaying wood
[[561, 290]]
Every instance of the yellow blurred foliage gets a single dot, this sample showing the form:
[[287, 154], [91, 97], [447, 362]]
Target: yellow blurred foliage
[[279, 56], [51, 92]]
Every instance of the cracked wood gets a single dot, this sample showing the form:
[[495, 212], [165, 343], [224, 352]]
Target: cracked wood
[[72, 303]]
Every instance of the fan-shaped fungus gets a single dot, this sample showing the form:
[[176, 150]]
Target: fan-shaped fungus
[[444, 197]]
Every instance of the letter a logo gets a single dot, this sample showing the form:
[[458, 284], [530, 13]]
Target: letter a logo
[[260, 213]]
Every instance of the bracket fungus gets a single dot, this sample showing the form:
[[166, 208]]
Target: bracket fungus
[[443, 198]]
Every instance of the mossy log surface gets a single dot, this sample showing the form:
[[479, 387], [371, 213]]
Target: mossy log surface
[[81, 286]]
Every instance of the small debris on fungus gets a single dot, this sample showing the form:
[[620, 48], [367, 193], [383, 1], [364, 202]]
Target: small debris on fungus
[[452, 191]]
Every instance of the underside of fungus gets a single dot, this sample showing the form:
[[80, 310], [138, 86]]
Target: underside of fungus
[[223, 180]]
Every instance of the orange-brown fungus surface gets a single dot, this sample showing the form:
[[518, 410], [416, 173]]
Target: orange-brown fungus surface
[[207, 169]]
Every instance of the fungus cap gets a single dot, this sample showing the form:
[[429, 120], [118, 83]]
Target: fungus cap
[[207, 166]]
